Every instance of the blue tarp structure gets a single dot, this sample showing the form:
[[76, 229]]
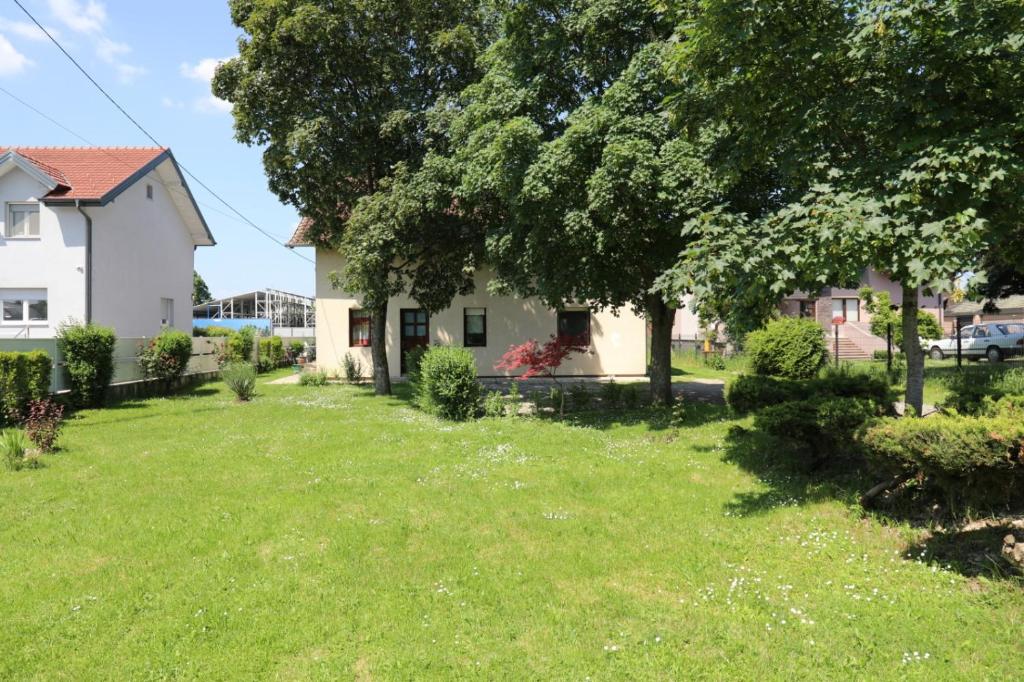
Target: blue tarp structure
[[262, 325]]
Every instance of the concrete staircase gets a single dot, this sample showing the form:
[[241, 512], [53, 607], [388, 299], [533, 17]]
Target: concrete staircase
[[848, 350], [856, 342]]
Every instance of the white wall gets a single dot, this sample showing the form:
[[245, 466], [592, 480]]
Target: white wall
[[54, 262], [618, 348], [142, 252]]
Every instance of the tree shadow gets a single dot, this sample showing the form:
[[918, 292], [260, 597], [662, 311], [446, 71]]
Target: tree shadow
[[973, 551]]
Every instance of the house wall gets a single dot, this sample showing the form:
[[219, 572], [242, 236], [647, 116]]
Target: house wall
[[142, 253], [54, 262], [618, 347]]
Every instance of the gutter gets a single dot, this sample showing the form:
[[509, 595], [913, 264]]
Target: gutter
[[88, 261]]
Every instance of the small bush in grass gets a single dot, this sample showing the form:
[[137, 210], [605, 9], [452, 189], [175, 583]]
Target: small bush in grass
[[714, 361], [239, 345], [978, 461], [271, 353], [611, 393], [89, 355], [166, 357], [818, 429], [353, 369], [295, 348], [240, 377], [515, 398], [43, 423], [537, 398], [749, 393], [13, 449], [494, 404], [974, 391], [447, 384], [792, 348], [318, 378], [580, 396]]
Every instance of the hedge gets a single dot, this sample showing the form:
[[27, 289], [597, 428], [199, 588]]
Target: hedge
[[818, 429], [974, 460], [749, 393], [24, 377], [89, 355]]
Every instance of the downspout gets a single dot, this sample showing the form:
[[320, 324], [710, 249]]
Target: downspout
[[88, 261]]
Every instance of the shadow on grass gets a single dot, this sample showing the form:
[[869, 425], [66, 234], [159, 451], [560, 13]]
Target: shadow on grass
[[973, 552], [791, 482]]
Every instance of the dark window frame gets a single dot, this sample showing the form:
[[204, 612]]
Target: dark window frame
[[362, 313], [584, 340], [465, 328]]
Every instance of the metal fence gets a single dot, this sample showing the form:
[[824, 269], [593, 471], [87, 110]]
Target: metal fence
[[205, 352]]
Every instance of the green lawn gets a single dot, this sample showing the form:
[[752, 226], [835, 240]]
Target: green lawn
[[322, 533]]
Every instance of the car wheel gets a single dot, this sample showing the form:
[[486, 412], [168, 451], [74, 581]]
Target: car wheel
[[936, 353], [993, 354]]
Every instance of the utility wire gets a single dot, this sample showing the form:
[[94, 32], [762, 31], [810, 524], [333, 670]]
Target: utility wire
[[145, 132]]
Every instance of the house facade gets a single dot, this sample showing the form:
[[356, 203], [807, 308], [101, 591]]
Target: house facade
[[485, 324], [105, 235]]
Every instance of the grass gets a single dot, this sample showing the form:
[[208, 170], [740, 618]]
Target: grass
[[323, 533], [687, 366]]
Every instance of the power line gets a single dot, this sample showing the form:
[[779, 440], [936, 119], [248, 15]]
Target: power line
[[145, 132]]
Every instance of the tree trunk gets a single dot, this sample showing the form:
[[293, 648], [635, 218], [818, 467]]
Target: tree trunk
[[661, 318], [914, 353], [379, 351]]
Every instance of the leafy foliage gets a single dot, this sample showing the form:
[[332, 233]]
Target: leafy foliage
[[819, 428], [789, 347], [447, 385], [318, 378], [89, 355], [975, 392], [271, 353], [239, 345], [200, 292], [353, 369], [166, 357], [977, 461], [534, 360], [879, 305], [24, 377], [749, 393], [240, 377], [43, 423]]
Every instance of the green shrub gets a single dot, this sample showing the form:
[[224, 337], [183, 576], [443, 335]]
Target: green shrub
[[714, 361], [494, 404], [879, 305], [818, 429], [318, 378], [296, 347], [271, 354], [630, 396], [24, 377], [611, 393], [749, 393], [537, 398], [89, 355], [239, 345], [200, 332], [13, 448], [413, 358], [973, 391], [447, 384], [580, 396], [515, 398], [972, 460], [240, 377], [353, 369], [166, 357], [789, 347]]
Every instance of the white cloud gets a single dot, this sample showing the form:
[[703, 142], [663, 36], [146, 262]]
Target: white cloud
[[202, 71], [171, 103], [81, 18], [26, 30], [108, 50], [128, 73], [12, 62]]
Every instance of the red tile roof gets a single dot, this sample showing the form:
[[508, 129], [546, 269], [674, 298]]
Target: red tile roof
[[87, 173], [301, 235]]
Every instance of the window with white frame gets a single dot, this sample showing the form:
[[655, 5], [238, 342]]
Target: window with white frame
[[21, 307], [166, 312], [22, 221], [846, 308]]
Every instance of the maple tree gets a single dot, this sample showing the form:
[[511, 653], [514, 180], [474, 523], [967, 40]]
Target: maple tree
[[540, 360]]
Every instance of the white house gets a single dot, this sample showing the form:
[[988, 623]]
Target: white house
[[96, 234], [484, 323]]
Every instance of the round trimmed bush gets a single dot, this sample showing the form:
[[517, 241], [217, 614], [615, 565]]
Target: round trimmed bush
[[166, 357], [447, 384], [789, 347], [89, 356]]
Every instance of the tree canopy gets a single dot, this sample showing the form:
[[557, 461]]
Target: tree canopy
[[200, 292]]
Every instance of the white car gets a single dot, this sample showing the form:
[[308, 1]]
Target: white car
[[992, 340]]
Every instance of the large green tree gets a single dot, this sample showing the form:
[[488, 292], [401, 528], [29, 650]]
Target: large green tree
[[893, 131], [200, 292], [563, 156], [337, 93]]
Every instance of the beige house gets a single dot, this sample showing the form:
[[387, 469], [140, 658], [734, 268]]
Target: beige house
[[485, 324]]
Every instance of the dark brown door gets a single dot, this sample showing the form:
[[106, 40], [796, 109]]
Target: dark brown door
[[415, 331]]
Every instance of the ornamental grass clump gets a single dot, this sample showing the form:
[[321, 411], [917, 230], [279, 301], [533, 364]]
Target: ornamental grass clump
[[240, 377], [14, 450]]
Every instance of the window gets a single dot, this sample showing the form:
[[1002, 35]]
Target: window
[[474, 327], [807, 309], [846, 308], [358, 327], [24, 306], [166, 312], [22, 221], [149, 192], [574, 326], [981, 332]]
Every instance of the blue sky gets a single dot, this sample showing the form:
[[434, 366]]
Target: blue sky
[[156, 59]]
